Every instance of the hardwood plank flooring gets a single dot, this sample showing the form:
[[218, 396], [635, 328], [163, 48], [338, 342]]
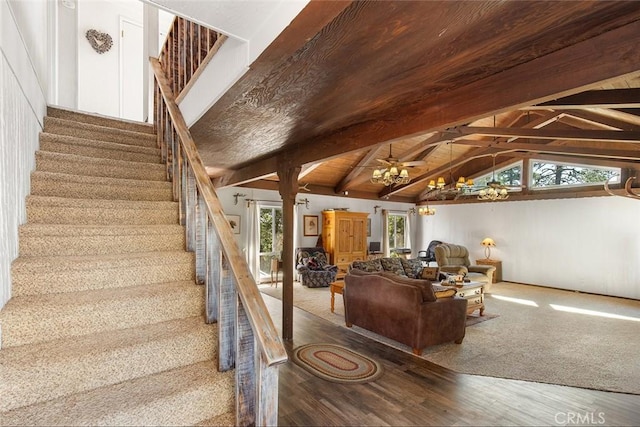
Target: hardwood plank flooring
[[413, 391]]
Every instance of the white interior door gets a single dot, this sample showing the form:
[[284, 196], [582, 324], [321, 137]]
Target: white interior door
[[131, 70]]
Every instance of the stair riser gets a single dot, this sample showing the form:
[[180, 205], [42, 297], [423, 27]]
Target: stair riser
[[49, 321], [88, 216], [97, 152], [45, 187], [79, 130], [188, 409], [98, 245], [53, 281], [49, 379], [99, 120], [47, 164]]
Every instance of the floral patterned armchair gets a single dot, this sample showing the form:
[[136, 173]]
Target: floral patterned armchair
[[313, 268]]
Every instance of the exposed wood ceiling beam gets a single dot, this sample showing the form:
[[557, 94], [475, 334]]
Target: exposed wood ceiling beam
[[567, 135], [558, 149], [323, 190], [359, 169], [596, 116], [611, 55], [613, 98], [307, 169]]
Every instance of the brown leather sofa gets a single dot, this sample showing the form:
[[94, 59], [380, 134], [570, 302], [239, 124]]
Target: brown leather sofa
[[405, 310]]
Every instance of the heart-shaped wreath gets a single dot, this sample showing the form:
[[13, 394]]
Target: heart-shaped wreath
[[100, 42]]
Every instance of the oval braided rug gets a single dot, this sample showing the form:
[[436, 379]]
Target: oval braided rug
[[336, 363]]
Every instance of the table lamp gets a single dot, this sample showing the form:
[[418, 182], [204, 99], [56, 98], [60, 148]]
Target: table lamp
[[488, 243]]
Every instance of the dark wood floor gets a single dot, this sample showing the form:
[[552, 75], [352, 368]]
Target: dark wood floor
[[413, 391]]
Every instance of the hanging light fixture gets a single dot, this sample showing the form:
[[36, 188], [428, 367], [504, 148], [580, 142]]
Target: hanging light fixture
[[460, 184], [394, 173], [426, 210], [494, 190]]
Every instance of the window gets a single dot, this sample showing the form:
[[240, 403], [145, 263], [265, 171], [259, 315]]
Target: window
[[271, 237], [550, 174], [510, 175], [397, 231]]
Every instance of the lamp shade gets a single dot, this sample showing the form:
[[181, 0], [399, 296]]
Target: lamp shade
[[488, 241]]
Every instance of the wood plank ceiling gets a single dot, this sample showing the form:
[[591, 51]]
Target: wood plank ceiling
[[447, 82]]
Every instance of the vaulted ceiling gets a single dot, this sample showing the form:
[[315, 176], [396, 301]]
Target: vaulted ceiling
[[452, 83]]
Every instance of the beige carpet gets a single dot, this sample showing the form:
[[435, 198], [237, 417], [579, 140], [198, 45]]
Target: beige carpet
[[530, 340]]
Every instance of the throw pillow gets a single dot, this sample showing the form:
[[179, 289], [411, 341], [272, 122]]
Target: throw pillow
[[321, 257], [312, 263], [443, 291], [412, 267], [368, 266], [393, 265]]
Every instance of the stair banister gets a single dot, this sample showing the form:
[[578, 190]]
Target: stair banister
[[248, 338]]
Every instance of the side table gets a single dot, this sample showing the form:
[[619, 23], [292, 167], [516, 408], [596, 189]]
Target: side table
[[473, 292], [276, 266], [497, 275], [335, 288]]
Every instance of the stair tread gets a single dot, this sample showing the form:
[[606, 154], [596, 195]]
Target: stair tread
[[150, 400], [96, 143], [45, 302], [100, 161], [72, 124], [40, 230], [31, 356], [100, 180], [82, 262], [52, 201], [30, 319], [95, 118]]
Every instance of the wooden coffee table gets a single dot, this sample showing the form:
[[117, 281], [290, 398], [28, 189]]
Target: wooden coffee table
[[336, 288], [473, 292]]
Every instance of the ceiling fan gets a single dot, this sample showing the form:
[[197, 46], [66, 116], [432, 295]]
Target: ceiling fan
[[394, 171], [393, 161]]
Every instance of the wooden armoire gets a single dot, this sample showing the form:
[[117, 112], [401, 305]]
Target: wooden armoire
[[344, 237]]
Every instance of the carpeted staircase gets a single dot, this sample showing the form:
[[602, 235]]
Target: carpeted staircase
[[106, 325]]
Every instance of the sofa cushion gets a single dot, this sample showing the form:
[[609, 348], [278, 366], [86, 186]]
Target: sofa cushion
[[393, 265], [424, 285], [370, 266], [412, 267]]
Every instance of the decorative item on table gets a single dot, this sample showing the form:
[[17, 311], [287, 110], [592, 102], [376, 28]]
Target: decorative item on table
[[488, 243]]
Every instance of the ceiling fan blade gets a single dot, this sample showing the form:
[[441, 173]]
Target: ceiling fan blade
[[414, 163], [384, 162]]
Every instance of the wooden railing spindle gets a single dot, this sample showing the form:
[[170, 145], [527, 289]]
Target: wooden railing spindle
[[214, 269], [201, 238], [247, 337]]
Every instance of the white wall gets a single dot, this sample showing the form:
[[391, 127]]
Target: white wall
[[98, 80], [588, 244], [22, 108], [316, 205]]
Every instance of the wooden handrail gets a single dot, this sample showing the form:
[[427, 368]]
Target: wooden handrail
[[187, 49], [248, 338], [266, 333]]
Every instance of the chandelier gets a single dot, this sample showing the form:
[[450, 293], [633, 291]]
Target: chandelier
[[494, 190], [426, 210], [440, 183], [390, 175], [394, 171]]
